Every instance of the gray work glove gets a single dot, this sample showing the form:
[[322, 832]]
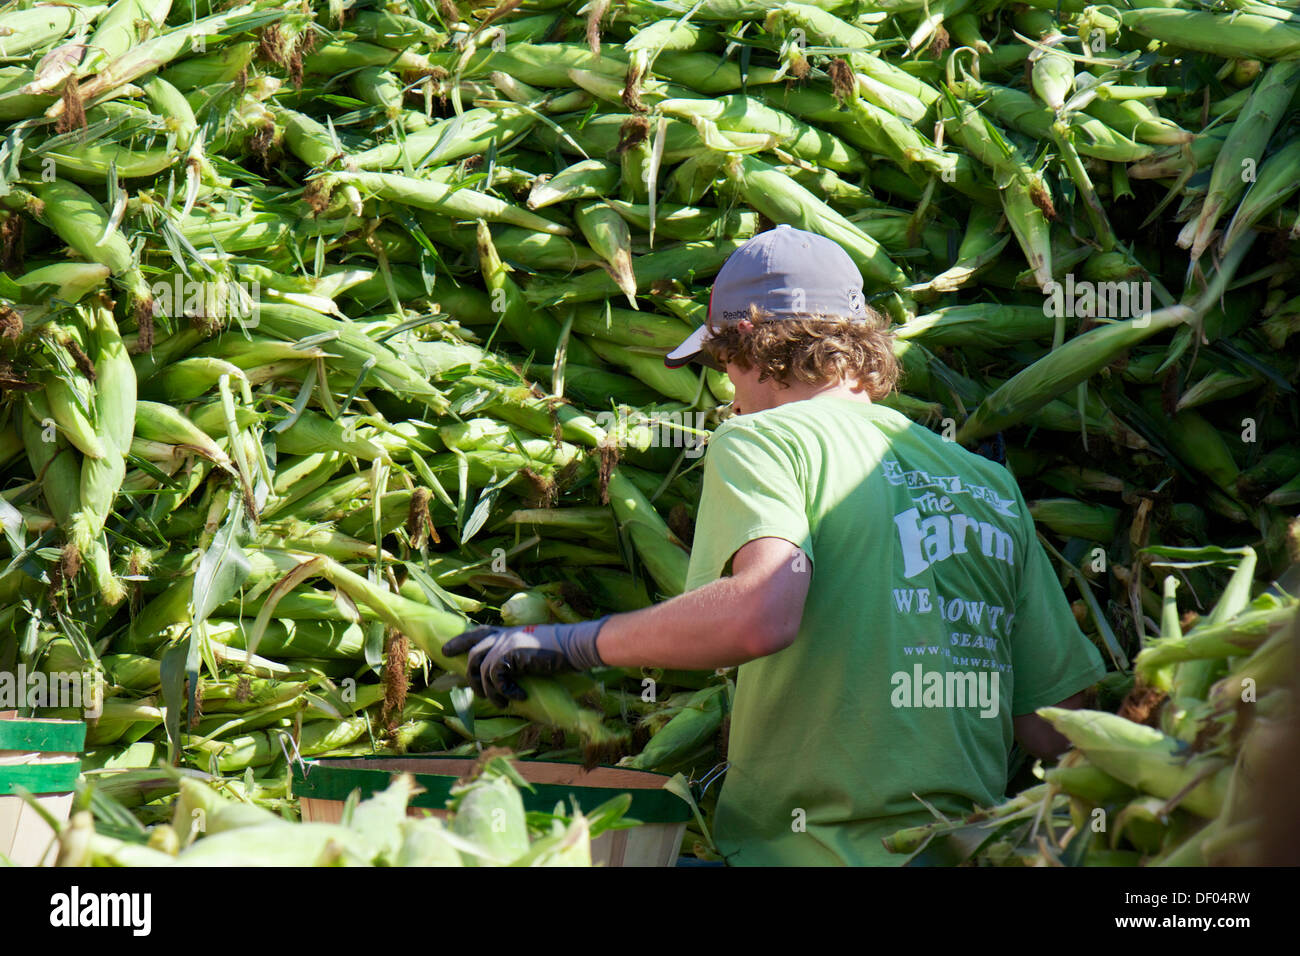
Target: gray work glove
[[499, 656]]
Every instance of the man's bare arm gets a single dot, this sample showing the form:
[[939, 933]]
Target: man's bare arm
[[1039, 737], [754, 612]]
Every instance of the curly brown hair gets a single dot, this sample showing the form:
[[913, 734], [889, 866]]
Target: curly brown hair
[[816, 350]]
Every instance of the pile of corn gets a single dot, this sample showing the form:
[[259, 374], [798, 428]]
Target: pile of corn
[[487, 826], [1180, 777], [326, 329]]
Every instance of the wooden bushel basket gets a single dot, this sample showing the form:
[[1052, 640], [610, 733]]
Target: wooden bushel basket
[[324, 784], [43, 757]]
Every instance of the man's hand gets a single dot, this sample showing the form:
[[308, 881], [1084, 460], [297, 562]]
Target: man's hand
[[499, 656]]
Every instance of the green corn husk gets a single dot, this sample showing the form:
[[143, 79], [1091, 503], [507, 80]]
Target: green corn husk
[[1198, 444], [664, 557], [1021, 112], [80, 221], [688, 223], [747, 114], [531, 328], [1244, 143], [781, 199], [1089, 783], [697, 259], [1242, 35], [1142, 757], [610, 238], [430, 628], [676, 383], [436, 197], [583, 180], [355, 350], [1277, 180], [1076, 519], [1135, 120], [979, 325], [1056, 372], [695, 724], [491, 814], [473, 131], [1227, 639], [1269, 668]]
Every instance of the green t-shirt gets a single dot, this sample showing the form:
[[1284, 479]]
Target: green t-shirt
[[931, 604]]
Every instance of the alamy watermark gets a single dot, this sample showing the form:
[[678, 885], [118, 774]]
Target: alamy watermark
[[660, 429], [73, 909], [922, 688], [79, 690], [1082, 299], [215, 299]]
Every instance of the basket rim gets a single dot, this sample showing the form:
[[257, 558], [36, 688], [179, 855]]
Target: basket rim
[[42, 734], [40, 778], [322, 779]]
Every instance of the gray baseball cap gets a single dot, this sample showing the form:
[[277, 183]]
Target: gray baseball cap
[[786, 272]]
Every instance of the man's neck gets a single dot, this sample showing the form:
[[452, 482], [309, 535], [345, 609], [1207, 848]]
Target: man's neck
[[800, 391]]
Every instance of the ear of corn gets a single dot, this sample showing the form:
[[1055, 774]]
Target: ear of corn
[[781, 199], [1243, 36], [1243, 145], [116, 31], [453, 138], [70, 405], [435, 197], [608, 235], [692, 727], [539, 331], [1143, 758], [1277, 180], [582, 180], [1052, 74], [80, 221], [747, 114], [1067, 366]]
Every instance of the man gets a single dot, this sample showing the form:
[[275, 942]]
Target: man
[[895, 619]]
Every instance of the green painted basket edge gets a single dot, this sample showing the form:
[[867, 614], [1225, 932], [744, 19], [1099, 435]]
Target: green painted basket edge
[[648, 806], [40, 778], [43, 736]]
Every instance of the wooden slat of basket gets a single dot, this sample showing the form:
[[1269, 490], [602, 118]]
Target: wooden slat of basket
[[30, 839]]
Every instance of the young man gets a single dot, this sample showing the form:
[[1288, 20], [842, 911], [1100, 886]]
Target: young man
[[895, 619]]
